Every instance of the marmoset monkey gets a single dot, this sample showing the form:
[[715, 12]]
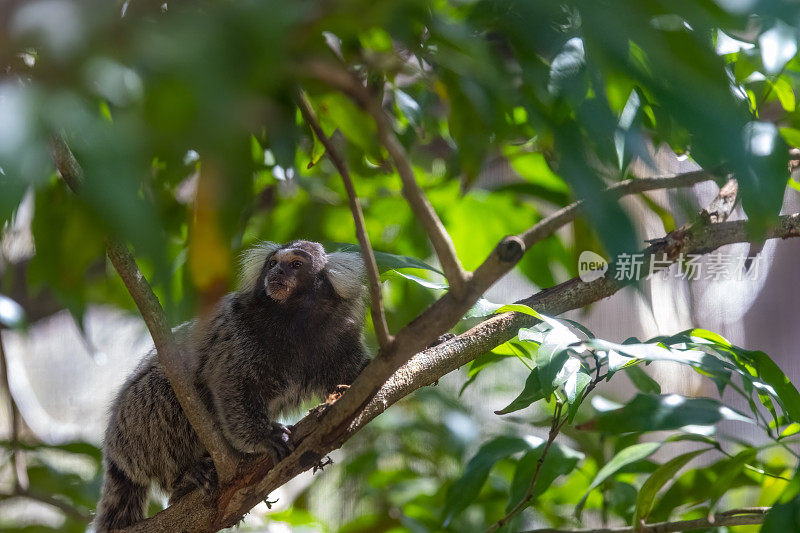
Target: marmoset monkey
[[293, 331]]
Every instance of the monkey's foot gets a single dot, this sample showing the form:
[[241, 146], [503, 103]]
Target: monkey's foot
[[322, 464], [202, 476], [279, 444], [336, 394]]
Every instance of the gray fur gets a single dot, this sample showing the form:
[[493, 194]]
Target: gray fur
[[253, 359]]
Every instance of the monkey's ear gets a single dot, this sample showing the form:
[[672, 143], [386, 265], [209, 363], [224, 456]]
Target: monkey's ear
[[347, 274], [252, 261]]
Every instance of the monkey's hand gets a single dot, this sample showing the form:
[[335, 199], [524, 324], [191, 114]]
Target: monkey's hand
[[336, 394], [279, 444]]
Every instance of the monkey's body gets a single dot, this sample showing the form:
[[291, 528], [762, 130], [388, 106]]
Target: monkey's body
[[254, 358]]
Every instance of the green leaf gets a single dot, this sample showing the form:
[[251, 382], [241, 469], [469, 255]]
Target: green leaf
[[709, 335], [482, 307], [560, 460], [733, 467], [567, 72], [519, 308], [783, 89], [553, 358], [465, 489], [338, 111], [534, 169], [785, 513], [387, 261], [574, 388], [626, 456], [428, 284], [771, 373], [531, 393], [642, 380], [648, 412], [409, 107], [658, 479], [791, 429], [791, 136], [783, 517]]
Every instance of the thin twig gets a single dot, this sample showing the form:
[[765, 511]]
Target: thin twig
[[442, 243], [555, 428], [548, 225], [166, 348], [734, 517], [376, 303], [20, 478], [69, 510]]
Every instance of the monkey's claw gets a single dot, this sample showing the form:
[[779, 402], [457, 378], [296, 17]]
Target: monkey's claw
[[269, 503], [322, 464], [279, 442]]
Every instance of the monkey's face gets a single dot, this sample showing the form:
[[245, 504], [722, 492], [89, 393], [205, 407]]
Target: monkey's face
[[289, 272]]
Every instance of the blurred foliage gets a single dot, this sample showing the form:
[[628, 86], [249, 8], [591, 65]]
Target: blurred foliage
[[181, 115]]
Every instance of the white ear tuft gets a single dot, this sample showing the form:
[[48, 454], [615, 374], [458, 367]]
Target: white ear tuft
[[347, 274], [250, 263]]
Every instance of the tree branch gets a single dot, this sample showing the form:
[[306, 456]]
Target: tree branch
[[69, 510], [167, 350], [548, 225], [20, 475], [442, 243], [376, 298], [555, 427], [314, 438], [734, 517]]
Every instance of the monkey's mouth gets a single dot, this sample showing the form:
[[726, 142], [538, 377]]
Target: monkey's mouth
[[278, 290]]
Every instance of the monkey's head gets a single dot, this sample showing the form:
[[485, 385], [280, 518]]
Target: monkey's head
[[296, 269], [293, 269]]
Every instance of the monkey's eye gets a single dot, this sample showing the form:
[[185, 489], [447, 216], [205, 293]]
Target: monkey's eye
[[272, 263], [297, 264]]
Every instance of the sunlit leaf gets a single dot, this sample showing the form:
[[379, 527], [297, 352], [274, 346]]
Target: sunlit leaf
[[663, 412], [533, 392]]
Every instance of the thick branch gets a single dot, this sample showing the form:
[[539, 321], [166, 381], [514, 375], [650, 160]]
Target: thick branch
[[376, 298], [168, 352], [319, 438], [734, 517], [442, 243]]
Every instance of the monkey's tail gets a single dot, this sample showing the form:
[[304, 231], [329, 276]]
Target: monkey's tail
[[122, 501]]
